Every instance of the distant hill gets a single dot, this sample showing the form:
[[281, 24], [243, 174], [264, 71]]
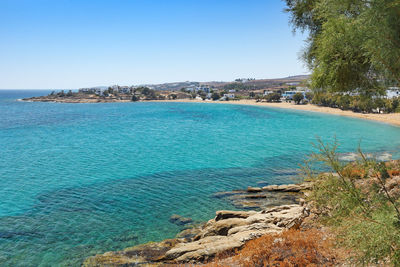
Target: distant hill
[[251, 84]]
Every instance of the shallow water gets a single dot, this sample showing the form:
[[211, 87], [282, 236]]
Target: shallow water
[[81, 179]]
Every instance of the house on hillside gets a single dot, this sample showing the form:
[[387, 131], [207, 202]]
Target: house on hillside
[[206, 89]]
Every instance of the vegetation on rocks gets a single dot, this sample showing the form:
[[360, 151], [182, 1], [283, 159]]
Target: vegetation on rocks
[[290, 248], [361, 202]]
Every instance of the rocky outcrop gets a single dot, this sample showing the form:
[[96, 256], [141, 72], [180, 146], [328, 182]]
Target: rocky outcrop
[[229, 230], [287, 187], [259, 198], [143, 255], [254, 189]]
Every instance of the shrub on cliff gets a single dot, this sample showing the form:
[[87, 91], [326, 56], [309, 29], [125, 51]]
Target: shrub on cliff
[[361, 202]]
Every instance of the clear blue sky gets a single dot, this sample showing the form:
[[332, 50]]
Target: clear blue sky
[[78, 43]]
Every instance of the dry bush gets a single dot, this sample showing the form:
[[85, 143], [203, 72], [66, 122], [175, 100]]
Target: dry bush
[[290, 248]]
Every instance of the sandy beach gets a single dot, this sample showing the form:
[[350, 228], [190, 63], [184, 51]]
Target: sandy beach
[[392, 118]]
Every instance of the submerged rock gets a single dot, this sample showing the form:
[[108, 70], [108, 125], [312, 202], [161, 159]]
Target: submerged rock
[[142, 255], [179, 220]]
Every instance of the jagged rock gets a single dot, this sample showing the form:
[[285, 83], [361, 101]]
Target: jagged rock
[[287, 187], [189, 233], [202, 249], [179, 220], [146, 254], [270, 188], [221, 227], [254, 189], [231, 233], [227, 214], [228, 231]]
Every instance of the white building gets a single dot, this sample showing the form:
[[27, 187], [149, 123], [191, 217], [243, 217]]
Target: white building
[[288, 95], [392, 92], [229, 96], [124, 90], [204, 88], [268, 92], [100, 91]]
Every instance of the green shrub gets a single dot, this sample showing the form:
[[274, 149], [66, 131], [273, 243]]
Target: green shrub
[[356, 201]]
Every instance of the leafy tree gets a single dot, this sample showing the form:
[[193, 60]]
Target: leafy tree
[[215, 96], [353, 45], [298, 97], [173, 96], [135, 98], [69, 93], [202, 94], [274, 97], [309, 96]]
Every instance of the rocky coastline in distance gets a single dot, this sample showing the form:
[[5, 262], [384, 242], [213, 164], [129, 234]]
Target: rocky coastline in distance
[[270, 209]]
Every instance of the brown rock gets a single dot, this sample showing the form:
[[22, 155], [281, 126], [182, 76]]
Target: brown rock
[[148, 254], [227, 214], [254, 189]]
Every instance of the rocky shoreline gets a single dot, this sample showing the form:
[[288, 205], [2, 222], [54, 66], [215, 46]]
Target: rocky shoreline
[[228, 231]]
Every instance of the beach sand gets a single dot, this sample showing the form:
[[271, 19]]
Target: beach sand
[[392, 118]]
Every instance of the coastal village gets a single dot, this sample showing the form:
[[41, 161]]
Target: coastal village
[[290, 90]]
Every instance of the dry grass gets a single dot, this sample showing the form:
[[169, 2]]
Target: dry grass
[[290, 248]]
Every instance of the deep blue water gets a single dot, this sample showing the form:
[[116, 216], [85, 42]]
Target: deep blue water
[[81, 179]]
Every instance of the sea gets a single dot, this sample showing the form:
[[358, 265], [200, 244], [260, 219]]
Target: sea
[[77, 180]]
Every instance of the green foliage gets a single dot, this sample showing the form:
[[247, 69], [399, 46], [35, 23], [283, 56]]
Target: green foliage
[[357, 103], [353, 45], [298, 97], [215, 96], [274, 97], [309, 96], [135, 98], [357, 202]]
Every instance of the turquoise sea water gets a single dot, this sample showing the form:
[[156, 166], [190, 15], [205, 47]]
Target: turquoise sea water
[[81, 179]]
